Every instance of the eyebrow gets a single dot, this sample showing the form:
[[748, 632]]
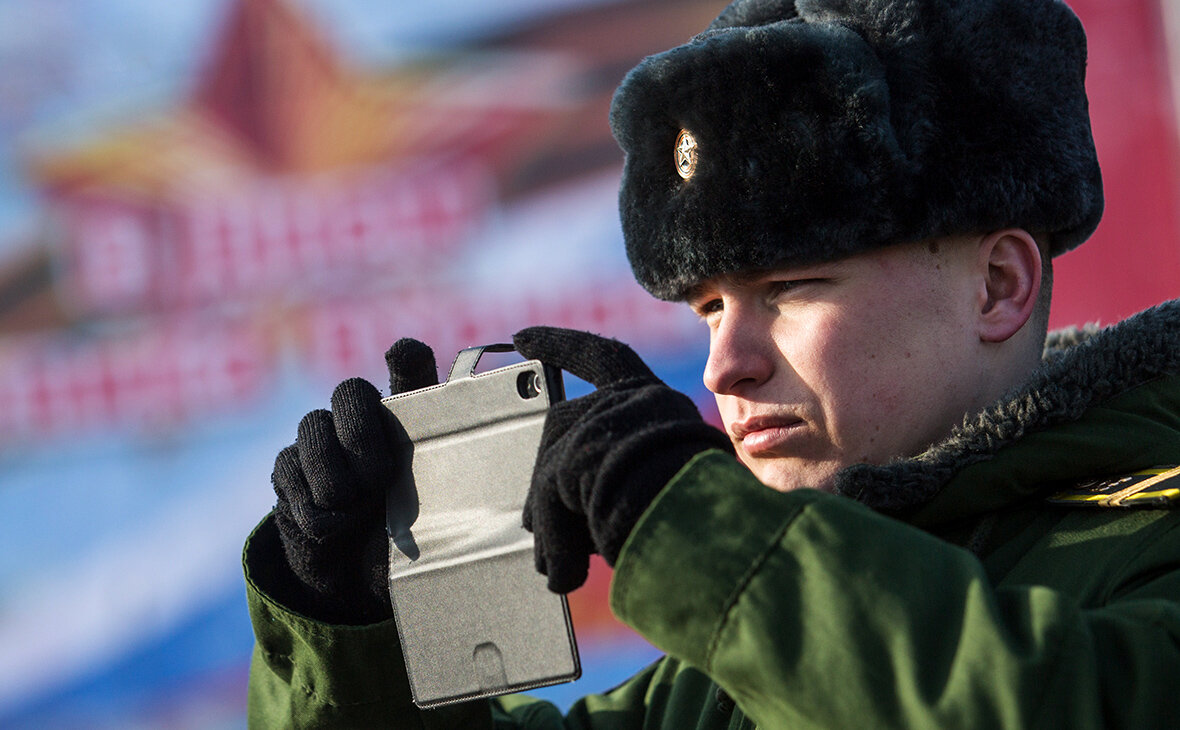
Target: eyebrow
[[736, 278], [694, 292]]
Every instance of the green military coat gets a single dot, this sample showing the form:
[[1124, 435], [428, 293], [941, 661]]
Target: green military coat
[[981, 584]]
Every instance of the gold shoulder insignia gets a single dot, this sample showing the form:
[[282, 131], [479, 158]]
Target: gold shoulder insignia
[[1157, 488]]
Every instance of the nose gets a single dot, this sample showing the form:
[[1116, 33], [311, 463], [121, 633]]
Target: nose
[[739, 353]]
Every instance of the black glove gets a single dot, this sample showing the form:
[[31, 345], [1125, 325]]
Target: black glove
[[604, 456], [331, 485]]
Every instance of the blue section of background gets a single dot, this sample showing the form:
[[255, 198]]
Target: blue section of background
[[208, 652]]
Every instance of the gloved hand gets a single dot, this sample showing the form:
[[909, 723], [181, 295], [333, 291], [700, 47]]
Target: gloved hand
[[603, 456], [331, 485]]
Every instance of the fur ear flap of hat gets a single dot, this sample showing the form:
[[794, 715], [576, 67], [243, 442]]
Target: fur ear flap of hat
[[797, 131]]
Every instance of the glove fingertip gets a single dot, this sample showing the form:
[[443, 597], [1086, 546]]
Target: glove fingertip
[[316, 437], [570, 576], [287, 478], [353, 396], [411, 366], [286, 460], [596, 359], [358, 416]]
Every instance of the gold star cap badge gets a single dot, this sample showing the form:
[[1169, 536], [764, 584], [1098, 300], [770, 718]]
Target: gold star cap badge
[[686, 154]]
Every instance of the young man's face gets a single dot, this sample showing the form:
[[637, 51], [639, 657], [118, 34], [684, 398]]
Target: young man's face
[[860, 360]]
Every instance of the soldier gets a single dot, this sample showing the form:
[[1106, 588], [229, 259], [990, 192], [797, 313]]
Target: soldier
[[922, 512]]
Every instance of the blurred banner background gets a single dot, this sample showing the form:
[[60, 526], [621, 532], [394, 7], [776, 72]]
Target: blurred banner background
[[211, 211]]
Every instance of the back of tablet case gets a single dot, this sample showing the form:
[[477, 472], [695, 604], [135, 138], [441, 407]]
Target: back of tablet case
[[474, 617]]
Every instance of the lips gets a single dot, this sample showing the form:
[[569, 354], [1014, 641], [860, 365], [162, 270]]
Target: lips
[[765, 434]]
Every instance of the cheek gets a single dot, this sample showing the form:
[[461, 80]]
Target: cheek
[[870, 376], [838, 355]]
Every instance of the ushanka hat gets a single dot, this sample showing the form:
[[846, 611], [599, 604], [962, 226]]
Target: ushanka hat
[[797, 131]]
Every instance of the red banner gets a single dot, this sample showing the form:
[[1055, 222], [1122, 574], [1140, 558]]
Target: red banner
[[266, 236], [1133, 260], [56, 386]]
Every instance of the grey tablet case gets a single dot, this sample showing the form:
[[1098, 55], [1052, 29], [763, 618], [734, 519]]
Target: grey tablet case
[[474, 617]]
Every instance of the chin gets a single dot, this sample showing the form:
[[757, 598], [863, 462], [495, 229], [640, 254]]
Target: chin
[[785, 475]]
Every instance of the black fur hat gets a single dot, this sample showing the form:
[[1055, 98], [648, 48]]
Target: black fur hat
[[796, 131]]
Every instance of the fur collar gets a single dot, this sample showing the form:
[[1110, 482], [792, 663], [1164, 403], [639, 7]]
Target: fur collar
[[1081, 368]]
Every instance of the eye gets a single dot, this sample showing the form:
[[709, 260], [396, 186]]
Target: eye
[[778, 287], [707, 307]]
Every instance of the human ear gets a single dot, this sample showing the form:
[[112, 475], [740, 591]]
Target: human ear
[[1011, 265]]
